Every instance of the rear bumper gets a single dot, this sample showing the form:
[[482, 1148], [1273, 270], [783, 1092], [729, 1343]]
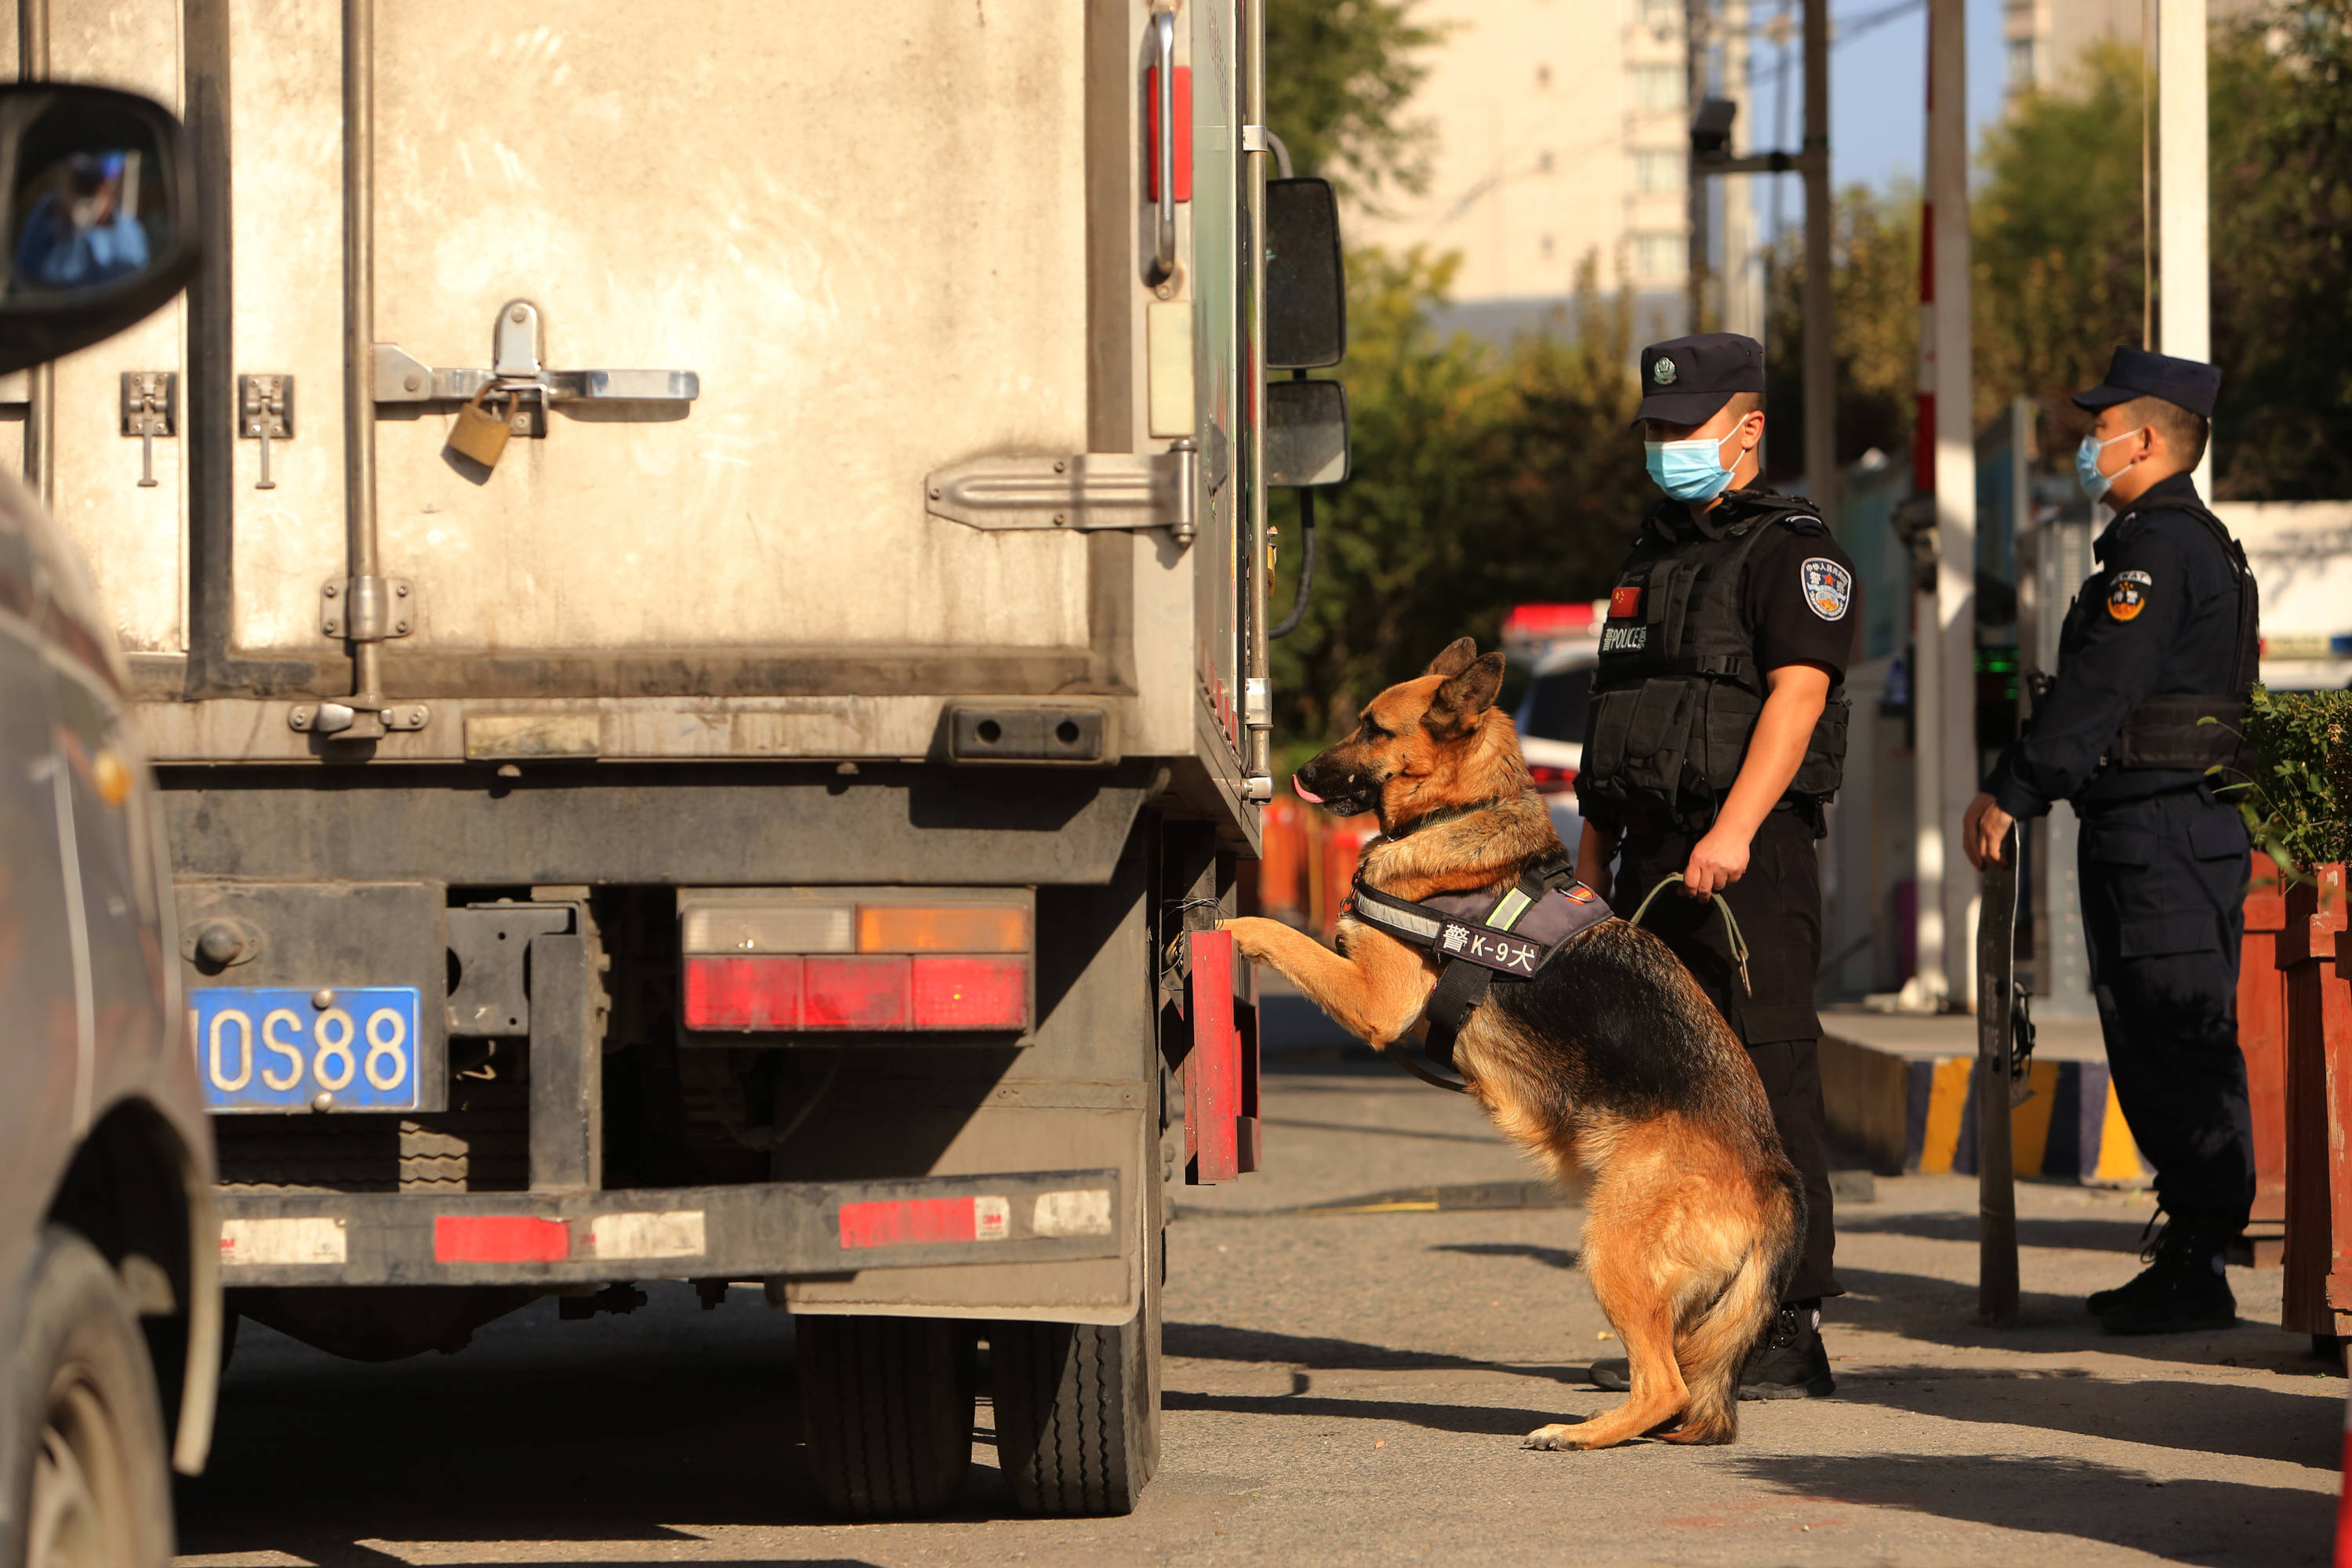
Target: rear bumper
[[772, 1229]]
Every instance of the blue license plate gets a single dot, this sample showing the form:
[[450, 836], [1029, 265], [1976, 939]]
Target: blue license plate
[[273, 1047]]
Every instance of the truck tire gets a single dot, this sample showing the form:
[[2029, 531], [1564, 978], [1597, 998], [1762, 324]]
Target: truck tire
[[887, 1407], [91, 1488], [1077, 1409]]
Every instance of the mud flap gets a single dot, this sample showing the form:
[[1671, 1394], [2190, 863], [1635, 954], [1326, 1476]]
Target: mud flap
[[1996, 1180]]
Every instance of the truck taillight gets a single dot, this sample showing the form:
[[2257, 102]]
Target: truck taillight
[[786, 965]]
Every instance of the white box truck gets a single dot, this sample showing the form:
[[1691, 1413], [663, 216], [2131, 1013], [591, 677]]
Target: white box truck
[[694, 582]]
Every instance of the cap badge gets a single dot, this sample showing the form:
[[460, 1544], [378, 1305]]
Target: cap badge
[[1663, 373]]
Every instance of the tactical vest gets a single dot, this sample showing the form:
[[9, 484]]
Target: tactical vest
[[2166, 731], [1676, 693]]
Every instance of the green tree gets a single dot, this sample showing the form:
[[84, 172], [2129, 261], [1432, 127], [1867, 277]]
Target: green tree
[[1339, 77], [2281, 179], [1875, 293], [1481, 480]]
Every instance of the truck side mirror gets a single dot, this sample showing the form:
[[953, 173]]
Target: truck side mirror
[[1305, 283], [100, 216], [1306, 433]]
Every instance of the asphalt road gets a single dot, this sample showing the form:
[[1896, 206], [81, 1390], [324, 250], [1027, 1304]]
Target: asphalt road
[[1351, 1387]]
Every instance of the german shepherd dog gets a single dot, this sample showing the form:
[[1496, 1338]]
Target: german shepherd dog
[[1610, 1061]]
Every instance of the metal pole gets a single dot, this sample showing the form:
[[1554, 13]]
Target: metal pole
[[1820, 363], [1996, 1163], [2184, 278], [41, 380], [1956, 486], [1694, 37], [359, 318]]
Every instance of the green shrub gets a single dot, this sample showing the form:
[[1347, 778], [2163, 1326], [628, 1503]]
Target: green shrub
[[2297, 798]]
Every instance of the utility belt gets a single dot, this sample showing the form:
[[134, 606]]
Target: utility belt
[[2179, 731], [1481, 936]]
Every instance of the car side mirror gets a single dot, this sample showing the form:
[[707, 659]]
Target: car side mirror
[[1306, 433], [1305, 281], [101, 218]]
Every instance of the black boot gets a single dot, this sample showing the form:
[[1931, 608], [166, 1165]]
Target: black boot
[[1789, 1361], [2184, 1288]]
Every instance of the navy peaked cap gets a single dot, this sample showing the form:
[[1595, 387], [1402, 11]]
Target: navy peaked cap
[[1685, 380], [2136, 372]]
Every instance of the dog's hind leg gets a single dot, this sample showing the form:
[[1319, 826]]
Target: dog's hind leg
[[1625, 1282]]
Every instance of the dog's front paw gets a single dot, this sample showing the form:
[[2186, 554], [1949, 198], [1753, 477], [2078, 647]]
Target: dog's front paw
[[1554, 1439], [1243, 929]]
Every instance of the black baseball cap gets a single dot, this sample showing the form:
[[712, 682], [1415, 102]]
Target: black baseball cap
[[1685, 380], [2136, 372]]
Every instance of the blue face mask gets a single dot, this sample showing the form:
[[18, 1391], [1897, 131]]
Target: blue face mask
[[2086, 464], [1689, 471]]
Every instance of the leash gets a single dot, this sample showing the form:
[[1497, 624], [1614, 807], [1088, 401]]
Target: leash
[[1731, 925]]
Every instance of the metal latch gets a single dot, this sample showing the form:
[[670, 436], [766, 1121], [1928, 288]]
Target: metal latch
[[355, 720], [367, 609], [516, 367], [1086, 493]]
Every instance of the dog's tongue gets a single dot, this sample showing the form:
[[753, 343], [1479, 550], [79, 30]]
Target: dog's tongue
[[1303, 793]]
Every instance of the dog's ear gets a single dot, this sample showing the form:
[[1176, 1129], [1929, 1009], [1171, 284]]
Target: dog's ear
[[1458, 656], [1465, 695]]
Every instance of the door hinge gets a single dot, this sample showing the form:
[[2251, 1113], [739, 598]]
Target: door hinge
[[367, 609], [1086, 492]]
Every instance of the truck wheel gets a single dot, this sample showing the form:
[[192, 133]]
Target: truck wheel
[[91, 1487], [887, 1407], [1078, 1410]]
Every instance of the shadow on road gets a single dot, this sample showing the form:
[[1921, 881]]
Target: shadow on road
[[1216, 1342], [2084, 1235], [2188, 1522], [2278, 1424], [1473, 1420], [1943, 1313], [1549, 1257], [615, 1433]]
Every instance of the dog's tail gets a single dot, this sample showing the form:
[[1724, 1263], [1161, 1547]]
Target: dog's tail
[[1714, 1349]]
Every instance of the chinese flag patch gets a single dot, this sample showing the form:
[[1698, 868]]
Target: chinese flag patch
[[1625, 603], [2128, 595]]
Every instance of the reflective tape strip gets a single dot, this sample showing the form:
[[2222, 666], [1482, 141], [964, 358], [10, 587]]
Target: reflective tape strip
[[1507, 913], [919, 1222], [1425, 927], [280, 1241], [677, 1233], [1083, 1212], [499, 1239]]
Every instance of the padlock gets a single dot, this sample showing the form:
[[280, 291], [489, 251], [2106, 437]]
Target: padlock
[[479, 434]]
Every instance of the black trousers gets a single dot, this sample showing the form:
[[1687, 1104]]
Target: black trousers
[[1779, 905], [2164, 886]]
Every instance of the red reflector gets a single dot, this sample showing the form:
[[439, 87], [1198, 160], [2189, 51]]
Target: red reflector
[[1182, 87], [909, 1220], [1624, 604], [762, 992], [854, 993], [971, 992], [499, 1239]]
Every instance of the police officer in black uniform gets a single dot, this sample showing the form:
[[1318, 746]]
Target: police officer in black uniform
[[2162, 637], [1715, 737]]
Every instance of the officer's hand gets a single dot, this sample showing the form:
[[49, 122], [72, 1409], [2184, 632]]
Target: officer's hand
[[1984, 830], [1717, 862]]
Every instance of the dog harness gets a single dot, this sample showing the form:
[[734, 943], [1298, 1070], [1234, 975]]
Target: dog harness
[[1481, 936]]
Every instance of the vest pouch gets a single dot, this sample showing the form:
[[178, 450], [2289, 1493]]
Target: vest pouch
[[1824, 765], [1722, 739], [2169, 732], [1659, 738]]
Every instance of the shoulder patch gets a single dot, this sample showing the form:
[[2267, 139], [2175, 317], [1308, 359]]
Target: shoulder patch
[[2128, 595], [1829, 587]]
